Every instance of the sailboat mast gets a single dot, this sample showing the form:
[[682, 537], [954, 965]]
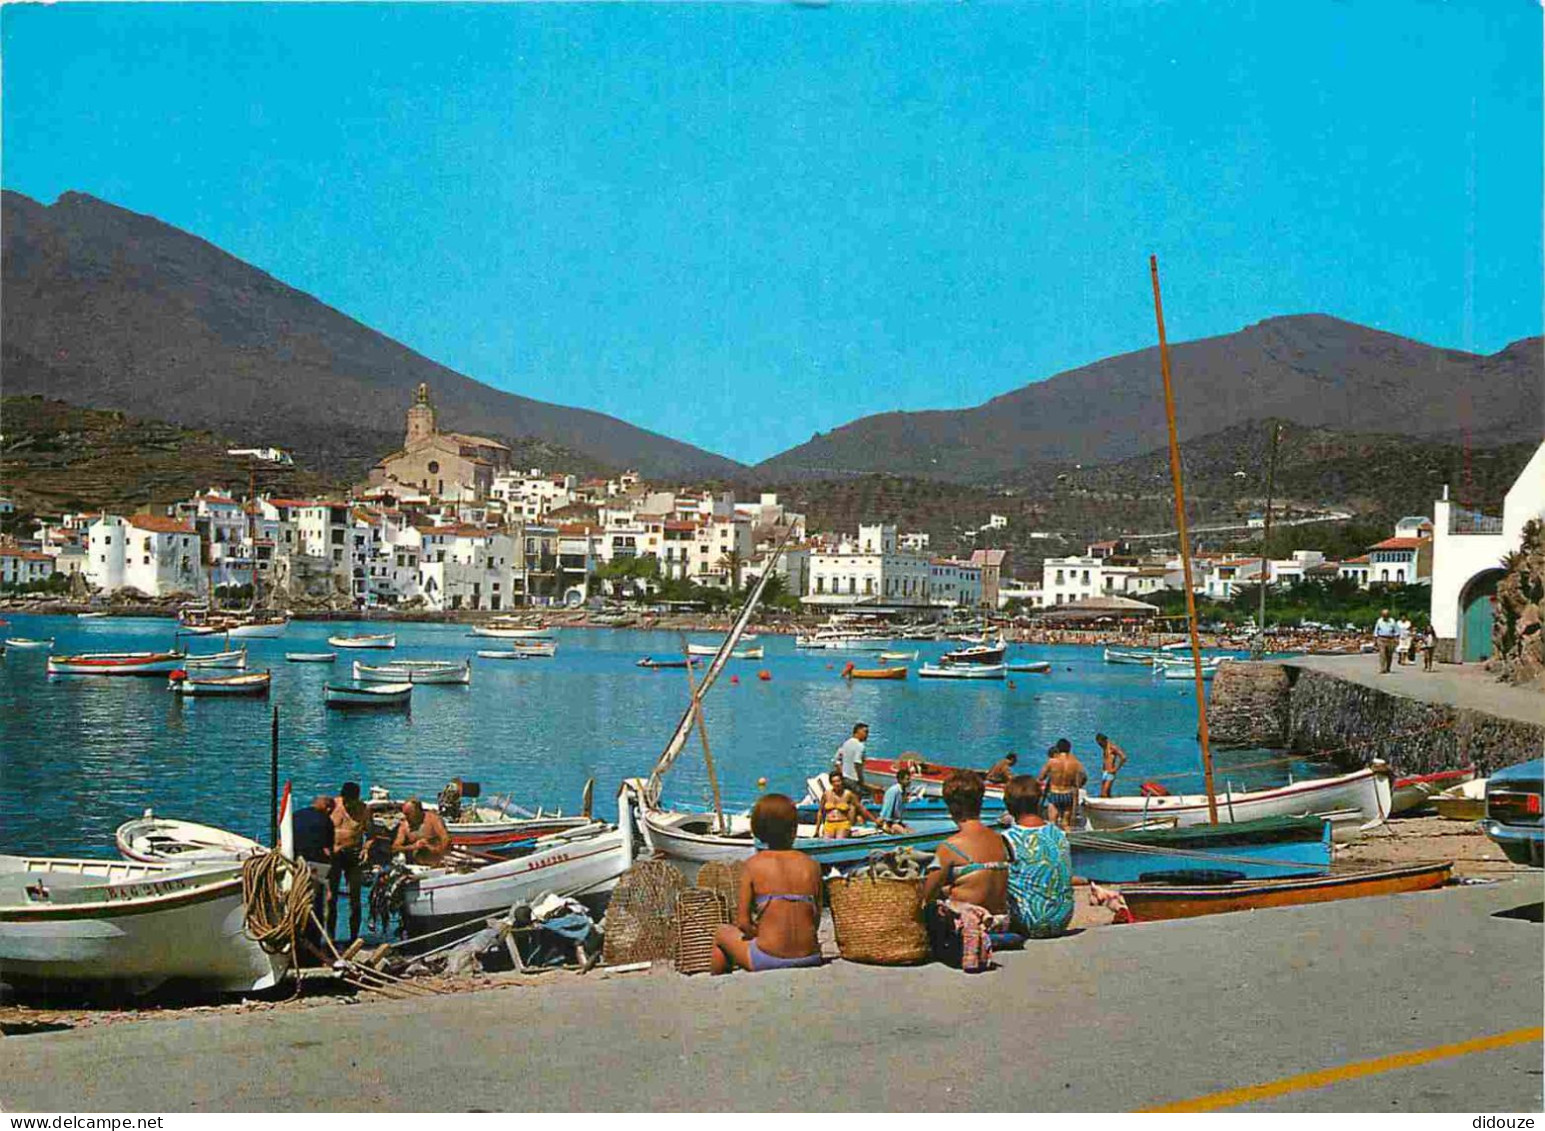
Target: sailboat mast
[[1271, 483], [702, 733], [1185, 546]]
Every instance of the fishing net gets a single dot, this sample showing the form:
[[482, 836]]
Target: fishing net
[[699, 915], [640, 921], [724, 881]]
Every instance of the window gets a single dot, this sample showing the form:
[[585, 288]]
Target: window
[[434, 467], [1059, 577]]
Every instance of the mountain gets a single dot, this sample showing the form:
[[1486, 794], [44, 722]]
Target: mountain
[[110, 309], [1309, 369]]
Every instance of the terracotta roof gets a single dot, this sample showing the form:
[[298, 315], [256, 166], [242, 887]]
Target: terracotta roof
[[1361, 559], [476, 441], [1400, 543], [578, 528], [160, 524], [293, 502], [25, 555]]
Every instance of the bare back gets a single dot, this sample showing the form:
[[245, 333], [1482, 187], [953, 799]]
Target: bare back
[[783, 927], [1065, 774], [974, 844]]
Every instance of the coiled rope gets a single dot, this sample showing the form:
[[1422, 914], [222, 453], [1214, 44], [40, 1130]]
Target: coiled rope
[[277, 894]]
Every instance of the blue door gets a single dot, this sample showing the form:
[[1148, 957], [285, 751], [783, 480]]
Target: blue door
[[1476, 616]]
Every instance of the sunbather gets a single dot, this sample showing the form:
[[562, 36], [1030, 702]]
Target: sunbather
[[965, 895], [778, 906]]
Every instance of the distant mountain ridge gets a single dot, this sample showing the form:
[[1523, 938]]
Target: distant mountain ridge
[[1309, 369], [110, 309]]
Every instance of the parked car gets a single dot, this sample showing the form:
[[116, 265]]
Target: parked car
[[1513, 812]]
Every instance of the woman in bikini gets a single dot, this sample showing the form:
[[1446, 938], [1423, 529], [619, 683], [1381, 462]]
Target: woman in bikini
[[965, 895], [841, 809], [778, 907]]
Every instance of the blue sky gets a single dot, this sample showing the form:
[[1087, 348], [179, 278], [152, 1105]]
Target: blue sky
[[741, 224]]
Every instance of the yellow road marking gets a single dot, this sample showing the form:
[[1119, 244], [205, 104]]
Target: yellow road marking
[[1327, 1076]]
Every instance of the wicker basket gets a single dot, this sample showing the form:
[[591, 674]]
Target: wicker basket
[[640, 921], [699, 915], [722, 879], [878, 920]]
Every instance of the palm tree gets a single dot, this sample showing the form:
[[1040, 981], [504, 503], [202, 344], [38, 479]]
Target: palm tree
[[734, 563]]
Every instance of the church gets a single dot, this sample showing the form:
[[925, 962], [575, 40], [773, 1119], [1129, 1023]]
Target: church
[[445, 465]]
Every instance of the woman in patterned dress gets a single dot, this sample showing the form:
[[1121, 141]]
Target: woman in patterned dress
[[1041, 867]]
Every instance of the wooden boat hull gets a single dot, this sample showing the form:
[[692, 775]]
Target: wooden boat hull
[[1134, 659], [511, 633], [874, 673], [264, 630], [255, 683], [380, 695], [22, 644], [1270, 848], [127, 926], [412, 673], [928, 781], [987, 656], [1460, 808], [1365, 791], [961, 671], [162, 840], [647, 662], [364, 642], [116, 663], [1037, 667], [221, 661], [536, 649], [310, 657], [897, 657], [1412, 793], [1152, 902]]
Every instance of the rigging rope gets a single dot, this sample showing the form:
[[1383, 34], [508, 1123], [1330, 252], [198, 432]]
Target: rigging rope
[[276, 893]]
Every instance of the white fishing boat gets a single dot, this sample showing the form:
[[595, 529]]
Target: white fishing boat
[[256, 626], [535, 648], [702, 649], [897, 657], [368, 695], [976, 654], [756, 653], [22, 643], [311, 657], [1130, 656], [367, 640], [415, 671], [116, 663], [584, 862], [97, 615], [247, 683], [512, 631], [961, 671], [1039, 667], [509, 654], [1366, 791], [227, 661], [128, 926], [161, 840], [1185, 671]]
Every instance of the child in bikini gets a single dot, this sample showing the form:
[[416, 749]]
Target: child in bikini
[[778, 907]]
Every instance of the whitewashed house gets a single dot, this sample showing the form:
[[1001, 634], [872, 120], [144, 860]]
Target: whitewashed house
[[154, 554], [24, 567]]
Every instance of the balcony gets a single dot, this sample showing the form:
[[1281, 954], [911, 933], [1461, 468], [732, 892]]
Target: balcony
[[1461, 521]]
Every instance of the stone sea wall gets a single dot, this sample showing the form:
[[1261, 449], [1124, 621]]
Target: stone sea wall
[[1282, 706]]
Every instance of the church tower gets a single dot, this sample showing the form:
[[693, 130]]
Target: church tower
[[421, 418]]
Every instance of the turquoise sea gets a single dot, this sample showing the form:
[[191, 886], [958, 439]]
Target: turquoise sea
[[78, 756]]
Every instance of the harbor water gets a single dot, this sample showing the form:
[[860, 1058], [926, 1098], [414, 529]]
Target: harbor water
[[80, 755]]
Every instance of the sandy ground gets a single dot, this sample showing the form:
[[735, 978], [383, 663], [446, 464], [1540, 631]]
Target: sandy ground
[[1402, 841]]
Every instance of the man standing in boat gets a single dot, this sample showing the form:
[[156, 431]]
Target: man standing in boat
[[353, 830], [1002, 770], [1112, 758], [850, 756], [1061, 779]]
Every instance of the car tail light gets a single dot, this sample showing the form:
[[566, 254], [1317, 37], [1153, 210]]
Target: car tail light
[[1514, 805]]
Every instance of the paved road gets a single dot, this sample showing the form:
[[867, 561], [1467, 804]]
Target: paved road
[[1111, 1019], [1468, 686]]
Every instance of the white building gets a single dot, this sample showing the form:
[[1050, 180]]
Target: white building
[[467, 567], [154, 554], [1467, 553], [532, 495], [265, 455], [24, 567], [914, 540]]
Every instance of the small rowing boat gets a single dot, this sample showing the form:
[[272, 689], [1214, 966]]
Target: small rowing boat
[[233, 661], [535, 649], [415, 671], [1365, 791], [368, 695], [850, 672], [651, 662], [1464, 802], [1128, 656], [311, 657], [1186, 670], [161, 840], [248, 683], [961, 671], [1411, 793], [1268, 848], [1149, 902], [511, 631], [366, 640], [749, 653], [897, 657], [1039, 667], [116, 663], [99, 615], [22, 643]]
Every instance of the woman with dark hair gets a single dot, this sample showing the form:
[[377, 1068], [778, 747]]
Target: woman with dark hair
[[778, 906], [1041, 872], [965, 895]]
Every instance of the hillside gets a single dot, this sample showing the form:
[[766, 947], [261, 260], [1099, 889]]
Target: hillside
[[114, 310], [1311, 370]]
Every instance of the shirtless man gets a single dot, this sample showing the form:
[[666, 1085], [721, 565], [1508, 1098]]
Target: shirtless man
[[1111, 761], [422, 834], [1002, 770], [353, 830], [1061, 779]]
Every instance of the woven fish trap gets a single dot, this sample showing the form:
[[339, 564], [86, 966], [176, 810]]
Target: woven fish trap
[[699, 915], [640, 923], [723, 880], [878, 920]]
